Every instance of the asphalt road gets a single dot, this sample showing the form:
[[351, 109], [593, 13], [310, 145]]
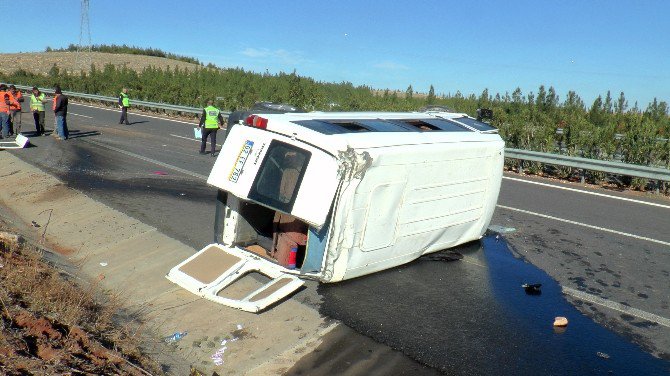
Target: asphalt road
[[614, 246]]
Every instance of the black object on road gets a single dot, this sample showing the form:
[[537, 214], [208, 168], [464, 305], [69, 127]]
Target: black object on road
[[532, 288]]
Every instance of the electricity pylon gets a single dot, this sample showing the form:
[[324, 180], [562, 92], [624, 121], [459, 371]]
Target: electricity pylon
[[83, 59]]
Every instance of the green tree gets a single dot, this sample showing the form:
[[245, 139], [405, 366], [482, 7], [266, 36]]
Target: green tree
[[430, 99]]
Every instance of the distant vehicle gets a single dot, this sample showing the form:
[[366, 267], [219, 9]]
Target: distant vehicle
[[331, 196]]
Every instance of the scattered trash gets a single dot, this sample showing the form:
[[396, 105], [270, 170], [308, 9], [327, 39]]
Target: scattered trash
[[2, 266], [560, 321], [182, 194], [103, 264], [35, 224], [603, 355], [239, 326], [501, 229], [217, 357], [160, 173], [175, 337], [532, 288]]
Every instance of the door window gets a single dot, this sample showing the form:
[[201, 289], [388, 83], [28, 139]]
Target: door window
[[278, 180]]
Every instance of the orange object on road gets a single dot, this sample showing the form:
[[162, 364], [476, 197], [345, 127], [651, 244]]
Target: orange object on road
[[560, 321]]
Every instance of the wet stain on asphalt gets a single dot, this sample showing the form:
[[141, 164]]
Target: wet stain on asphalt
[[472, 317]]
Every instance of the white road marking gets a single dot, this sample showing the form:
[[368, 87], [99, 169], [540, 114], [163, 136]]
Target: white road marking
[[72, 113], [136, 114], [589, 193], [581, 295], [147, 159], [587, 225], [188, 138]]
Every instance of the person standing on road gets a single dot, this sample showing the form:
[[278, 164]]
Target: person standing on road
[[37, 101], [213, 121], [6, 102], [124, 104], [60, 111], [15, 110]]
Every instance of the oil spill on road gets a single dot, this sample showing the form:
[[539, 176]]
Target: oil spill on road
[[472, 317]]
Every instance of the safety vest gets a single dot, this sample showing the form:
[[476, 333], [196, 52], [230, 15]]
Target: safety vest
[[125, 100], [211, 117], [53, 105], [16, 105], [36, 103], [4, 98]]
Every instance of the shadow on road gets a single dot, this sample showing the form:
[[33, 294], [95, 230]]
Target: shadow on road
[[79, 134]]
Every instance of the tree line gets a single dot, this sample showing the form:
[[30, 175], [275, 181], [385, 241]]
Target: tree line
[[609, 128]]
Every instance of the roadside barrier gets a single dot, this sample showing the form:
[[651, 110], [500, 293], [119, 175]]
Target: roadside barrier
[[619, 168]]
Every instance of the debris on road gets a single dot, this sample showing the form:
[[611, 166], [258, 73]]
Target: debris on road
[[35, 224], [602, 355], [103, 264], [175, 337], [560, 321], [20, 142], [443, 256], [160, 173], [532, 288], [502, 229]]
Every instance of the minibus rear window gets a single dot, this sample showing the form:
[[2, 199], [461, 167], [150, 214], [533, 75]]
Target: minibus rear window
[[278, 179]]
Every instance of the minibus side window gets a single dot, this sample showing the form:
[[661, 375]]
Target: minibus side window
[[278, 179]]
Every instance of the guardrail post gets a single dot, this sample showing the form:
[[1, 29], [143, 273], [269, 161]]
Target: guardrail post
[[520, 166], [582, 176]]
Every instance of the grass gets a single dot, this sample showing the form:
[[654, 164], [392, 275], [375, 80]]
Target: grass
[[53, 325]]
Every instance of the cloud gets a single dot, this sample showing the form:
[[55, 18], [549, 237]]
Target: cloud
[[389, 65], [280, 55]]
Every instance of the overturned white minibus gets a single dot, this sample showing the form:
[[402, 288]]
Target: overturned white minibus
[[333, 196]]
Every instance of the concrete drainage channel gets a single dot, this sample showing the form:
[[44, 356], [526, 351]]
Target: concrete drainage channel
[[132, 258]]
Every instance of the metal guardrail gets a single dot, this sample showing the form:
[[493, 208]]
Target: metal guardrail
[[101, 98], [620, 168]]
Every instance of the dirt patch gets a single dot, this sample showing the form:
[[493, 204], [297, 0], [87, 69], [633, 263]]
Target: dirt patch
[[42, 62], [57, 192], [51, 325]]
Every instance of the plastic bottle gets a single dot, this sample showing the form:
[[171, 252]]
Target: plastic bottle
[[175, 337], [292, 257]]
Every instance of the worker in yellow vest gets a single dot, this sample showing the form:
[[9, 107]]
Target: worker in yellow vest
[[124, 104], [213, 121], [37, 100]]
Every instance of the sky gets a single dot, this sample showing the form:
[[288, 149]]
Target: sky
[[588, 46]]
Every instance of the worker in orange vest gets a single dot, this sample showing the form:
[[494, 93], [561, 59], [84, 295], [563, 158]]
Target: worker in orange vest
[[6, 102], [15, 110]]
